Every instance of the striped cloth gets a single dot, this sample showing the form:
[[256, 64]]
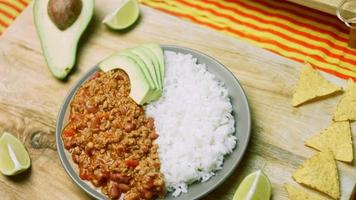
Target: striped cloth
[[293, 31], [9, 10]]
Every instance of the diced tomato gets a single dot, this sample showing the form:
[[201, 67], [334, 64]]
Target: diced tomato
[[131, 163], [68, 132], [85, 174]]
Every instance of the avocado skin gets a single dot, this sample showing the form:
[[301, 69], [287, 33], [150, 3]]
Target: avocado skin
[[50, 51]]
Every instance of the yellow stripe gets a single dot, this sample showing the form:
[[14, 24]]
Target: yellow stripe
[[2, 29], [270, 18], [9, 10], [271, 46], [6, 19], [288, 14], [289, 54], [224, 22], [17, 4]]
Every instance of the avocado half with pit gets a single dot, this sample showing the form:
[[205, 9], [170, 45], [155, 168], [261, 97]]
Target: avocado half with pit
[[145, 68], [60, 24]]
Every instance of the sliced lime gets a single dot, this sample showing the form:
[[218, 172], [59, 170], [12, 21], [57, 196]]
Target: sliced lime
[[14, 158], [124, 16], [255, 186]]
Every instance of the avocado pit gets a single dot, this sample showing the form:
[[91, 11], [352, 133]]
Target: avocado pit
[[64, 13]]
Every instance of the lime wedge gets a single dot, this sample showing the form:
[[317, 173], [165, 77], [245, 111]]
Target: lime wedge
[[255, 186], [124, 16], [14, 158]]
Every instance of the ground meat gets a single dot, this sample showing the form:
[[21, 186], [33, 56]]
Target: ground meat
[[111, 139]]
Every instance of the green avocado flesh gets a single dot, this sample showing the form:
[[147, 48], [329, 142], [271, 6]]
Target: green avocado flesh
[[155, 89], [157, 51], [149, 64], [140, 87], [60, 46], [143, 67]]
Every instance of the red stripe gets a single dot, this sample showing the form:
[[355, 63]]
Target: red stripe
[[332, 21], [250, 37], [327, 52], [291, 20], [12, 6]]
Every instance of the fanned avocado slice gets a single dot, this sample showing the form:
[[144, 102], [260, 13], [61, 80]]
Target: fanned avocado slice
[[155, 88], [59, 40], [155, 62], [157, 51], [140, 88], [149, 64]]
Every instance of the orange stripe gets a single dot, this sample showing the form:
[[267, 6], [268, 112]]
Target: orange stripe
[[267, 13], [332, 72], [332, 22], [282, 35], [3, 23], [22, 2], [256, 39], [12, 6], [4, 12]]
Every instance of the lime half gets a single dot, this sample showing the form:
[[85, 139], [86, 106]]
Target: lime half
[[14, 158], [124, 16], [255, 186]]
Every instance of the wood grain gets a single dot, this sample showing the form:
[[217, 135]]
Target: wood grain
[[30, 98]]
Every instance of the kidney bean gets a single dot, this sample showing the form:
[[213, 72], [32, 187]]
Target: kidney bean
[[150, 123], [131, 163], [114, 192], [129, 127], [123, 187], [147, 194]]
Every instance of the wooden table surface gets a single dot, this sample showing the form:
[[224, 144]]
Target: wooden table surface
[[30, 98]]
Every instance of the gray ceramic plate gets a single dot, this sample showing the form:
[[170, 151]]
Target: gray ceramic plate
[[241, 113]]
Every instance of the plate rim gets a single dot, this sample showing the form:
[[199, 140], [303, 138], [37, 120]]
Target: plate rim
[[68, 97]]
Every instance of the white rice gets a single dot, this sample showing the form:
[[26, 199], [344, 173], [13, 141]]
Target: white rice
[[194, 122]]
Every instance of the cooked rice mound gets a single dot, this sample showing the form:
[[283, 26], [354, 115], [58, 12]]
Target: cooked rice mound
[[194, 121]]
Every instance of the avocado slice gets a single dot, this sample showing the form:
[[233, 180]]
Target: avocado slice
[[157, 50], [154, 60], [60, 46], [140, 88], [156, 91], [149, 64]]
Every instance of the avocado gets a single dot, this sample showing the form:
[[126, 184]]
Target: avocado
[[156, 90], [60, 24], [140, 88], [149, 64], [154, 60], [157, 50]]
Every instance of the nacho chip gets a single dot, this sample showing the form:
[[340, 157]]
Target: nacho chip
[[319, 172], [346, 108], [312, 85], [337, 138], [298, 194]]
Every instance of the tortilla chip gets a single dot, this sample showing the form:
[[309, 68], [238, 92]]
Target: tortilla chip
[[346, 108], [298, 194], [319, 172], [312, 85], [337, 138]]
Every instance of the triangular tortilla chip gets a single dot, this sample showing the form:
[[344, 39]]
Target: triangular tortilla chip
[[312, 85], [346, 108], [337, 138], [319, 172], [298, 194]]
